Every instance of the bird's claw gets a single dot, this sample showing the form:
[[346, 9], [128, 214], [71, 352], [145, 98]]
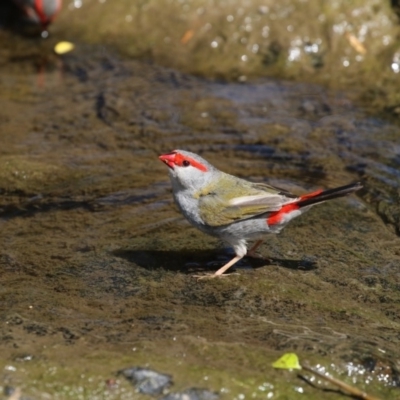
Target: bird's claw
[[211, 276]]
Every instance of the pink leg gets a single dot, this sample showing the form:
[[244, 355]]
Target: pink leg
[[228, 265], [234, 260], [222, 269]]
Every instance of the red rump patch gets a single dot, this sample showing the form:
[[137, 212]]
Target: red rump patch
[[276, 217], [180, 158]]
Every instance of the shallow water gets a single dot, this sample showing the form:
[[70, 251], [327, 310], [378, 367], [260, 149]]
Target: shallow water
[[97, 264], [340, 44]]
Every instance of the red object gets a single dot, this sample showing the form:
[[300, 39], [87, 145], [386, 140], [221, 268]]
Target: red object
[[40, 12], [47, 10]]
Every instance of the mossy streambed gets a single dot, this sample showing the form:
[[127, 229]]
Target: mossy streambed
[[97, 264]]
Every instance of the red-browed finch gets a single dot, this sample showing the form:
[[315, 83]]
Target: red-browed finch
[[233, 209]]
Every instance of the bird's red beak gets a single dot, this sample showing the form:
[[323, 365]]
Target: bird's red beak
[[168, 159]]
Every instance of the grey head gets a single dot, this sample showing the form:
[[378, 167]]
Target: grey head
[[188, 170]]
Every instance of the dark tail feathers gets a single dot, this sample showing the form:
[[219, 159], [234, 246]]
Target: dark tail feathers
[[329, 194]]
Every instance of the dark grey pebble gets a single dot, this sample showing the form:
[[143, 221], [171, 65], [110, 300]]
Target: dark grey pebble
[[146, 380]]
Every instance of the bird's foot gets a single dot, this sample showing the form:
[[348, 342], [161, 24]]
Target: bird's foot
[[211, 276]]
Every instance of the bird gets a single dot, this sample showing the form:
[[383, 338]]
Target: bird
[[39, 12], [234, 209]]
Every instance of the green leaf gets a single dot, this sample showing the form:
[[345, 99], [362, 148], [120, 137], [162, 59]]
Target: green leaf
[[287, 361]]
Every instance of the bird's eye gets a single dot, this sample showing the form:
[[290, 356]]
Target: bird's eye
[[185, 163]]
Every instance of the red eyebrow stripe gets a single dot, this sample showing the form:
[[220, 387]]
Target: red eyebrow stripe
[[179, 158]]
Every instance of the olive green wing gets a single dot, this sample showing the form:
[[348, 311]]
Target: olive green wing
[[239, 200]]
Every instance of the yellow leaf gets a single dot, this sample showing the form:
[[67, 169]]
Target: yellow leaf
[[287, 361], [63, 47]]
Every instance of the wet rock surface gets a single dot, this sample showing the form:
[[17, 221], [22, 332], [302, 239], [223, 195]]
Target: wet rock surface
[[97, 264]]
